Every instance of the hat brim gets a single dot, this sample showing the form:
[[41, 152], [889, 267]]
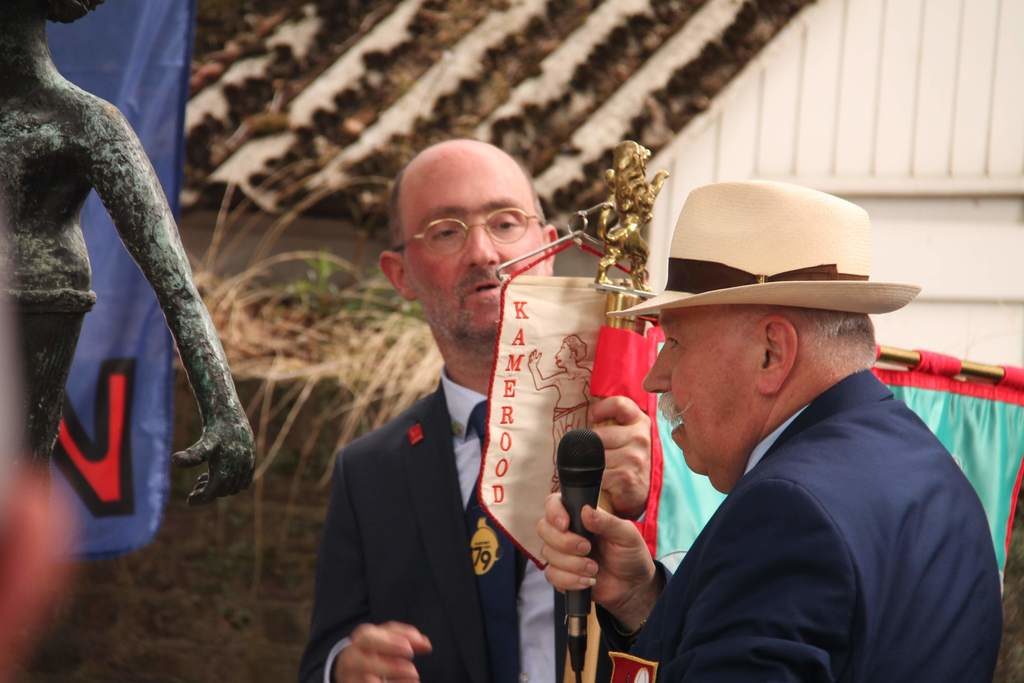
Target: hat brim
[[851, 296]]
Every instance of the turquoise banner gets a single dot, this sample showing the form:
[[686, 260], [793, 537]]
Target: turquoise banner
[[687, 502], [982, 426]]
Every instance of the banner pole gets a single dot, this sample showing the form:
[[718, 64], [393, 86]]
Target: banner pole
[[620, 222], [969, 369]]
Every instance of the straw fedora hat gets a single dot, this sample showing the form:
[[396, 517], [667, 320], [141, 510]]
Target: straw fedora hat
[[760, 242]]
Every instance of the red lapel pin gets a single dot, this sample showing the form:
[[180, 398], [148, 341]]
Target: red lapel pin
[[415, 434]]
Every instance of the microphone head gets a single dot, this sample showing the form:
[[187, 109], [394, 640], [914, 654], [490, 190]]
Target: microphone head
[[580, 458]]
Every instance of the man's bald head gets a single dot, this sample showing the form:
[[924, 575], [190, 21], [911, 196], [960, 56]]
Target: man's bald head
[[468, 181], [437, 154]]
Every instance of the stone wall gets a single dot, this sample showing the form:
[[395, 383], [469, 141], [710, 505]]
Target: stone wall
[[224, 593]]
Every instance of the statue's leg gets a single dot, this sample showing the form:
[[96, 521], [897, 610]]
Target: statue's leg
[[48, 343], [607, 261], [638, 274]]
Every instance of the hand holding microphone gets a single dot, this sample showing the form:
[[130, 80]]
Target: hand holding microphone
[[580, 468], [619, 567]]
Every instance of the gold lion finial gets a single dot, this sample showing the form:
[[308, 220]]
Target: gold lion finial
[[626, 213]]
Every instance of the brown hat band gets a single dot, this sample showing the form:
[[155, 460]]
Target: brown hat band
[[696, 276]]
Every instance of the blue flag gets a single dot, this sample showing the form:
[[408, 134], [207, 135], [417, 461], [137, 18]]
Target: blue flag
[[113, 452]]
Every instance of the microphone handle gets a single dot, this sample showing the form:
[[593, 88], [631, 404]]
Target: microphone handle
[[577, 602]]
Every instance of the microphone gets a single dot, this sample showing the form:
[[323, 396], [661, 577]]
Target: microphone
[[580, 468]]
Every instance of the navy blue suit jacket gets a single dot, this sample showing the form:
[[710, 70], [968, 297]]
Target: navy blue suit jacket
[[855, 550], [395, 548]]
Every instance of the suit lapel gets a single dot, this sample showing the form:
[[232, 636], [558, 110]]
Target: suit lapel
[[432, 479]]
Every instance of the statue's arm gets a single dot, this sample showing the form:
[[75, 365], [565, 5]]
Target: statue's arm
[[125, 180], [606, 218]]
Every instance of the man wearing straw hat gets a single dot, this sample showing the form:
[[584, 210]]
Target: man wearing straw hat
[[396, 593], [850, 547]]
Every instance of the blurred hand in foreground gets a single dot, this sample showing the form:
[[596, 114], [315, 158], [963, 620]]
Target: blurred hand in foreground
[[36, 534]]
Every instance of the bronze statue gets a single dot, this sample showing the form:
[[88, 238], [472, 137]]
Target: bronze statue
[[58, 142], [633, 200]]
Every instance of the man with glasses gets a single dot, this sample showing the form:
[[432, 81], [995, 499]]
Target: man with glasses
[[396, 594]]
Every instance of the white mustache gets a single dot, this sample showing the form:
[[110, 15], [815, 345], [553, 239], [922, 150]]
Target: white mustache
[[670, 412]]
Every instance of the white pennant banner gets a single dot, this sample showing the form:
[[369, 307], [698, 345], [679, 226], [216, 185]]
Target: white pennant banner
[[540, 389]]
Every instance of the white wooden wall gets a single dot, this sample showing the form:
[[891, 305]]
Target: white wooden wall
[[915, 110]]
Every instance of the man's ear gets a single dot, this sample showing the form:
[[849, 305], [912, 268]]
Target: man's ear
[[778, 340], [550, 233], [393, 265]]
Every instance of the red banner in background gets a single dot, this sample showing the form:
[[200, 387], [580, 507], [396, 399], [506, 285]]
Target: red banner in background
[[621, 362]]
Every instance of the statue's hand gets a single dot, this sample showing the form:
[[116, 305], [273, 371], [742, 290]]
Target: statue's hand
[[227, 445]]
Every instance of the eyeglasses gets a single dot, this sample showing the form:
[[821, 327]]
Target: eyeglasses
[[448, 236]]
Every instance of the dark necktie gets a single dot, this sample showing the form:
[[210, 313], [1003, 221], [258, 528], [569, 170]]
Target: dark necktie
[[494, 563]]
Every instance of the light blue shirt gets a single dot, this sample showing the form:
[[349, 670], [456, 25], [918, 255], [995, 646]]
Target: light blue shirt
[[764, 444], [536, 600]]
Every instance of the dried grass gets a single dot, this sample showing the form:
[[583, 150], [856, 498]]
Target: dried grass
[[335, 324]]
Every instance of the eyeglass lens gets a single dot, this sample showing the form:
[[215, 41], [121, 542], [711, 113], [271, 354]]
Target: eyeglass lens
[[448, 235]]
